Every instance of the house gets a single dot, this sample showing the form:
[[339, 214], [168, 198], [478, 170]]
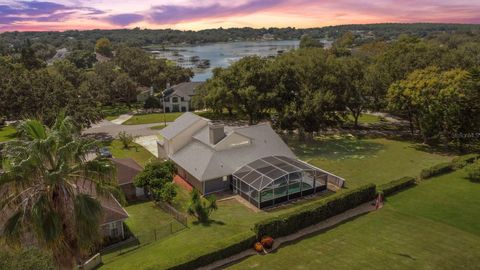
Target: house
[[252, 161], [127, 169], [178, 98]]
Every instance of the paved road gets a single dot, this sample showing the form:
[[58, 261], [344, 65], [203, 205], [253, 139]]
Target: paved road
[[108, 129]]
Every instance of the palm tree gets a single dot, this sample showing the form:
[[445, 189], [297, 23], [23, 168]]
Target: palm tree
[[201, 208], [46, 186]]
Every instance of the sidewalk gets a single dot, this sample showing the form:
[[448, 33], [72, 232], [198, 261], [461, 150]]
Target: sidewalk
[[326, 224], [121, 119]]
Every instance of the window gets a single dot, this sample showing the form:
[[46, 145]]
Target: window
[[114, 230], [174, 99], [182, 99]]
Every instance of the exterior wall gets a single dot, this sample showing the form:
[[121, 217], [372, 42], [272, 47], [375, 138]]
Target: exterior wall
[[173, 145], [217, 185], [113, 229], [162, 153], [182, 106], [190, 179], [130, 192]]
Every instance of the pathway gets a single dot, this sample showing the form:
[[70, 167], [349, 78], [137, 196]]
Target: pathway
[[122, 119], [326, 224], [149, 142]]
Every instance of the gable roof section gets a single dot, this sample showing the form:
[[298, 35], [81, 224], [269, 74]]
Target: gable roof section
[[204, 162], [180, 124], [185, 89], [127, 169]]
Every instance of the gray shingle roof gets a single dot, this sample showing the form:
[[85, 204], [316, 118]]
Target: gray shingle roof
[[183, 89], [202, 161], [180, 124]]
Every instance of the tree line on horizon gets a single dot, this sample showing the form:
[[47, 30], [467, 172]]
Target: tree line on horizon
[[432, 83]]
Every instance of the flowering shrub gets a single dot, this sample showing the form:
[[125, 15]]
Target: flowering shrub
[[258, 247], [267, 242]]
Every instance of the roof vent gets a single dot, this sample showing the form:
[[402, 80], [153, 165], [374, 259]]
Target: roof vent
[[216, 133]]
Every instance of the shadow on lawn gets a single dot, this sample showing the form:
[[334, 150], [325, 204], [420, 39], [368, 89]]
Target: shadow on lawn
[[209, 223], [333, 148]]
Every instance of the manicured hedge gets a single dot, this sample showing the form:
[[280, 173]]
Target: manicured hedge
[[455, 164], [229, 247], [396, 185], [314, 213]]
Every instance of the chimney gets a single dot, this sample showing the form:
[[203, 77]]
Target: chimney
[[216, 133]]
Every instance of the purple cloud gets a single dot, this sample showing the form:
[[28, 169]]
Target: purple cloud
[[125, 19], [40, 11], [174, 13]]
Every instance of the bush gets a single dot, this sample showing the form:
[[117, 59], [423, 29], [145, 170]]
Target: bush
[[473, 172], [314, 213], [462, 161], [438, 169], [227, 248], [396, 185], [167, 193], [267, 242]]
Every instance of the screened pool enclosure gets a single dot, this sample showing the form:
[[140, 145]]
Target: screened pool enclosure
[[276, 179]]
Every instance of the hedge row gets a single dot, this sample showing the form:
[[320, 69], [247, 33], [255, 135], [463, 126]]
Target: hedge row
[[396, 185], [314, 213], [442, 168], [229, 247]]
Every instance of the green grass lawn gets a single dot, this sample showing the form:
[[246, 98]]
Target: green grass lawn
[[136, 151], [365, 118], [147, 221], [7, 133], [152, 118], [432, 226], [113, 112], [362, 161], [358, 160]]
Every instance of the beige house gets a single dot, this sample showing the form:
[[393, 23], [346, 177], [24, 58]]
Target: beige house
[[178, 98]]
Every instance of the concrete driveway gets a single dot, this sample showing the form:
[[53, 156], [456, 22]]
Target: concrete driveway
[[109, 129]]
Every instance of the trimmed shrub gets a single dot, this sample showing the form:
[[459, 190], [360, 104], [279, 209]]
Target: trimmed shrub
[[314, 213], [438, 169], [396, 185], [229, 247], [462, 161], [258, 247], [473, 172], [267, 242]]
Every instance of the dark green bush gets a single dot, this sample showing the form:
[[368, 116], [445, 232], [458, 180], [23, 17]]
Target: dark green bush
[[314, 213], [473, 172], [396, 185], [226, 249], [438, 169]]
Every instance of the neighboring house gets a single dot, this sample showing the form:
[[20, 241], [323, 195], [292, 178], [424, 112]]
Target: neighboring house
[[178, 98], [127, 169], [252, 161]]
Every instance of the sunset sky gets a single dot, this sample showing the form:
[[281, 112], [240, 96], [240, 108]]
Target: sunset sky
[[202, 14]]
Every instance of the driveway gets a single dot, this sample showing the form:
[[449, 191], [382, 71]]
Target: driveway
[[108, 129]]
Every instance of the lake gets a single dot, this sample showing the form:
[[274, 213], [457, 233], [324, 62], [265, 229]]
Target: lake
[[204, 58]]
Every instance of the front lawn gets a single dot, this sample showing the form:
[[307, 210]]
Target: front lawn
[[363, 161], [7, 133], [432, 226], [136, 151], [152, 118]]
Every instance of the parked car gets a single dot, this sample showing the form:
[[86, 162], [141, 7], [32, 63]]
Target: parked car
[[105, 152]]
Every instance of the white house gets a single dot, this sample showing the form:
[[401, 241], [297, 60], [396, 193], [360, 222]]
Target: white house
[[178, 98]]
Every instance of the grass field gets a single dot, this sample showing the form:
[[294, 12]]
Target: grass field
[[147, 221], [362, 161], [233, 219], [152, 118], [7, 133], [136, 151], [432, 226], [365, 119]]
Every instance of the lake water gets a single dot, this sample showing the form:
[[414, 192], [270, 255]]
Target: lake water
[[221, 54]]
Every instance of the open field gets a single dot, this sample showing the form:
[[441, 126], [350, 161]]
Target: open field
[[347, 157], [137, 152], [432, 226], [152, 118], [362, 161], [7, 133]]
